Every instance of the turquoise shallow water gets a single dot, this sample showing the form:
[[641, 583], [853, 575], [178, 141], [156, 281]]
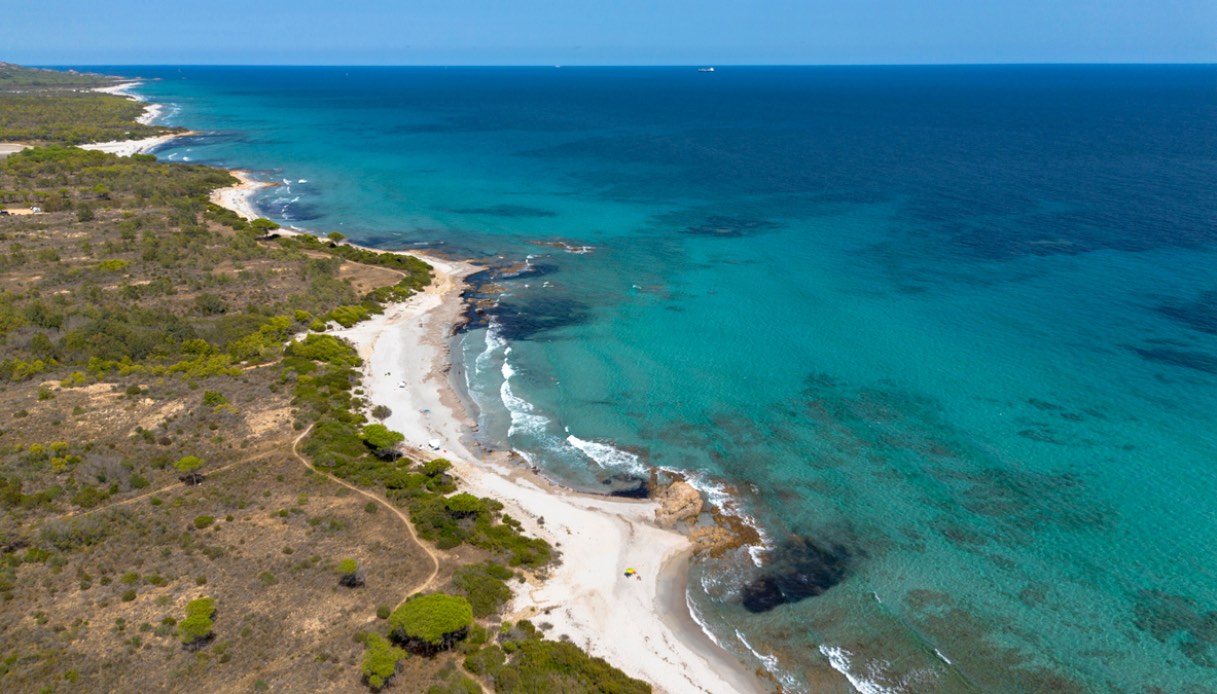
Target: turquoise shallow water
[[948, 333]]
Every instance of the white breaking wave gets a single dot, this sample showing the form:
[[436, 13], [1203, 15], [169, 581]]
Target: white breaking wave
[[607, 456], [701, 621], [839, 658], [524, 418], [494, 343], [770, 663]]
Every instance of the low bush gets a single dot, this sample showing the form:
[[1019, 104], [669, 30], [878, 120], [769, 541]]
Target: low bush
[[380, 659], [196, 629]]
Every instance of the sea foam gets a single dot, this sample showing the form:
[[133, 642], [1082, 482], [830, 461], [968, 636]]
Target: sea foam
[[606, 456]]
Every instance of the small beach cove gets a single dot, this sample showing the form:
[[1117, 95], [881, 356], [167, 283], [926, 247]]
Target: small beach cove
[[640, 624]]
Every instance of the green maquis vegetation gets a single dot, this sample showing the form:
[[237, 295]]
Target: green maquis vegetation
[[81, 118], [380, 660], [18, 77], [188, 464], [196, 629], [50, 107], [382, 440], [484, 585], [524, 662], [431, 623], [349, 573]]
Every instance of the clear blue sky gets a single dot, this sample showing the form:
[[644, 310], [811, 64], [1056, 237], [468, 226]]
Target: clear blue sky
[[614, 32]]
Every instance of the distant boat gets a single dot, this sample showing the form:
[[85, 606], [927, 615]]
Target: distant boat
[[705, 69]]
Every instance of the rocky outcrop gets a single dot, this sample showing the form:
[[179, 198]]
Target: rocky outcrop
[[712, 539], [679, 501]]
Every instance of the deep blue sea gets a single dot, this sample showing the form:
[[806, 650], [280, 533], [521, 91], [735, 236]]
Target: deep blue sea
[[949, 334]]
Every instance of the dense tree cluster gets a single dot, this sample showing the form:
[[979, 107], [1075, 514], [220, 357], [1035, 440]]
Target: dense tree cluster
[[522, 661], [431, 623]]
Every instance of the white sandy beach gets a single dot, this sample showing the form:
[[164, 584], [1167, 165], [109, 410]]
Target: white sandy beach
[[640, 626], [125, 148], [239, 198]]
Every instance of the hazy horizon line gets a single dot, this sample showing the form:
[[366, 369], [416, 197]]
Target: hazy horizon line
[[628, 65]]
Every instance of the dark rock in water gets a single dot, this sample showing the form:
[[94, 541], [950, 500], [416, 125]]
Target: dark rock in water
[[1200, 314], [525, 271], [504, 211], [802, 571], [527, 319], [628, 486], [762, 595], [722, 226], [1177, 357], [1178, 620]]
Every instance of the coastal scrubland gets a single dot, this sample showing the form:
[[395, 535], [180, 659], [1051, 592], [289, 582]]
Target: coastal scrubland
[[195, 491], [42, 107]]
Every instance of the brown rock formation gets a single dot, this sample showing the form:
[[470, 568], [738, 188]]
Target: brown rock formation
[[679, 501], [713, 539]]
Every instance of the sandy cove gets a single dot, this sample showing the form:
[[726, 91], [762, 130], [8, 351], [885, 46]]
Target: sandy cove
[[240, 198], [643, 627], [125, 148]]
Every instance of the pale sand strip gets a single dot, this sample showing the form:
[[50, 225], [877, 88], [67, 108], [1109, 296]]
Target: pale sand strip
[[641, 626], [125, 148], [151, 111], [239, 198]]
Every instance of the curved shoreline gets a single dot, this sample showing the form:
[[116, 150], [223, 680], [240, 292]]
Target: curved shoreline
[[642, 626], [125, 148]]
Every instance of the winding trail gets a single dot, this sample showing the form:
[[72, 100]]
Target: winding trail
[[383, 502], [154, 492], [405, 519]]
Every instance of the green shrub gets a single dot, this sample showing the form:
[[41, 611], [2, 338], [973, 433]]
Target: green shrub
[[483, 585], [201, 522], [196, 629], [189, 464], [382, 440], [349, 573], [113, 265], [463, 505], [380, 660], [431, 623]]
